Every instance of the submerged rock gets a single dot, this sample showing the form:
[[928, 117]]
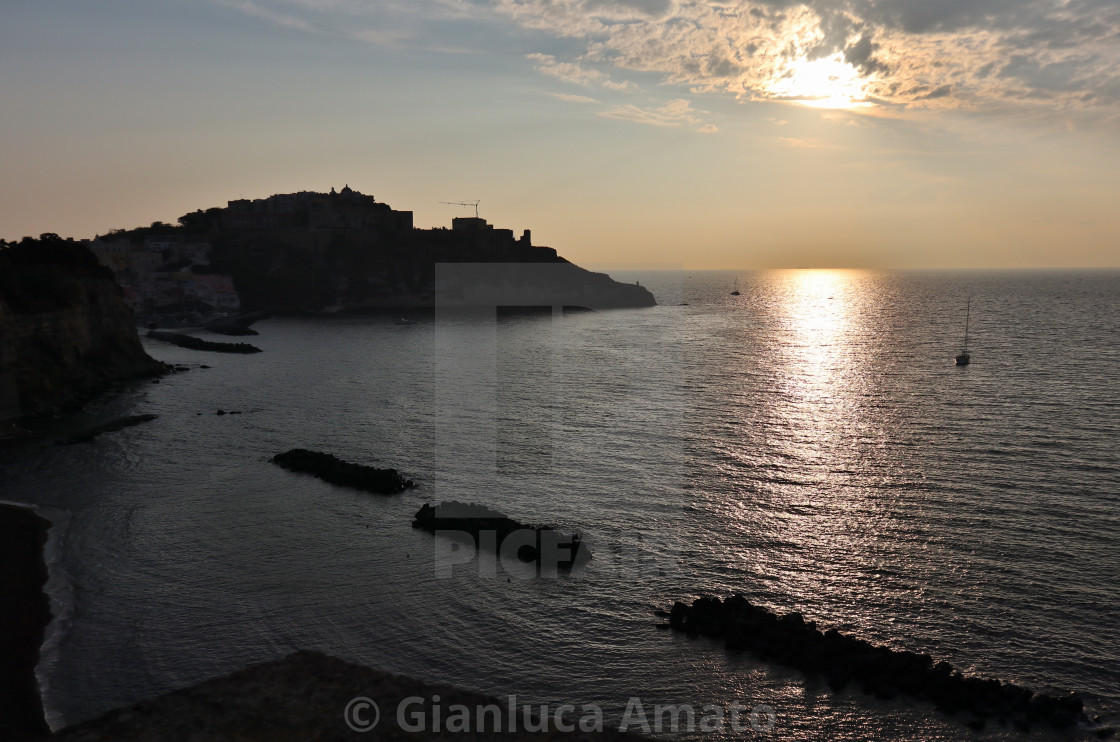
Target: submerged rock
[[877, 670], [334, 470], [538, 544]]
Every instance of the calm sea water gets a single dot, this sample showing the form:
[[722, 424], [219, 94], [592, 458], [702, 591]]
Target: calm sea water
[[808, 443]]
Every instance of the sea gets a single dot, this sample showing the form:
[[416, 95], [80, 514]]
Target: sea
[[807, 442]]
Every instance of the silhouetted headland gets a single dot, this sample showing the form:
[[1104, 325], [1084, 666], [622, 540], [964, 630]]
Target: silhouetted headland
[[329, 252]]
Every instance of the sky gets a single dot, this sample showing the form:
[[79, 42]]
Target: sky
[[826, 133]]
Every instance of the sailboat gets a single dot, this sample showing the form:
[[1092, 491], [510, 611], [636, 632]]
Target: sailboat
[[963, 357]]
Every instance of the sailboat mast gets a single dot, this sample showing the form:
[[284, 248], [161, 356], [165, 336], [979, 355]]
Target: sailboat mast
[[967, 314]]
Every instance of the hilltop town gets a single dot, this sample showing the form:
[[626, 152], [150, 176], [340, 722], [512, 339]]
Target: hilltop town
[[309, 251]]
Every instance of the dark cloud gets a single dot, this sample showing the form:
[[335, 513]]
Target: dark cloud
[[1059, 76], [859, 55], [652, 8], [940, 92], [925, 16], [717, 66]]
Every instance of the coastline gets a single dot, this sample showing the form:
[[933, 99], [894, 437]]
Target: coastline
[[24, 615]]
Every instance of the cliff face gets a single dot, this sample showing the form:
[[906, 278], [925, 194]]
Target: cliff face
[[65, 332]]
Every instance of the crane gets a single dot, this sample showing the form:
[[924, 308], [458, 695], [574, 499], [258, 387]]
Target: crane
[[464, 203]]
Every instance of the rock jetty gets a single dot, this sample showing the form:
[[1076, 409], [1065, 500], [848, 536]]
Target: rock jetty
[[876, 670], [190, 341], [334, 470], [480, 521]]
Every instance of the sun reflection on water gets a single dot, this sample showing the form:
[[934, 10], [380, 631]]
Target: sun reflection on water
[[816, 304], [820, 487]]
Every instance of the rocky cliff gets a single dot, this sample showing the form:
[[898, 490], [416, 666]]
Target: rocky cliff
[[65, 332]]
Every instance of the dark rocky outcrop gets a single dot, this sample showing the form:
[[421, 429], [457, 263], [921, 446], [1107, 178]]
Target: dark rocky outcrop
[[488, 526], [880, 671], [303, 697], [65, 332], [88, 434], [24, 615], [334, 470], [193, 343]]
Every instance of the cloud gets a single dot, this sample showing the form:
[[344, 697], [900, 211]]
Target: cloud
[[566, 71], [575, 73], [625, 85], [650, 8], [859, 55], [910, 53], [255, 10], [678, 112], [974, 54], [940, 92], [798, 143], [574, 98]]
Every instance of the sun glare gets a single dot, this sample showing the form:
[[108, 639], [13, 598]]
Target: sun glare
[[829, 82]]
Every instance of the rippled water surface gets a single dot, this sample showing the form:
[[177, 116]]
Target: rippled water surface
[[808, 442]]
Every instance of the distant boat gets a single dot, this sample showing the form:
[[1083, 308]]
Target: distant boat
[[963, 358], [404, 321]]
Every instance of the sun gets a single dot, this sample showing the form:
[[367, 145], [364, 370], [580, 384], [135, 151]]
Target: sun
[[828, 82]]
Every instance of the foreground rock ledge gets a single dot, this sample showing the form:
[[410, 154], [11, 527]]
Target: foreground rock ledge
[[24, 615], [300, 697]]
